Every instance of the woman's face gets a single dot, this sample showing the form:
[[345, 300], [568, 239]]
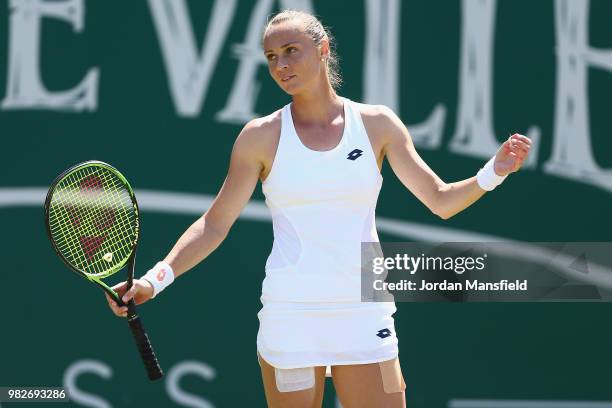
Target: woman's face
[[294, 61]]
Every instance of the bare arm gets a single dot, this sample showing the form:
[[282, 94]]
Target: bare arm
[[207, 233], [443, 199]]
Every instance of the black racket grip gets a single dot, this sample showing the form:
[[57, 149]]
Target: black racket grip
[[147, 354]]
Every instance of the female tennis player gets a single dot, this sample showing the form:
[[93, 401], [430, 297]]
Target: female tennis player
[[319, 160]]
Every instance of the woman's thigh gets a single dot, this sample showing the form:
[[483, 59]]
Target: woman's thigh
[[308, 398], [370, 385]]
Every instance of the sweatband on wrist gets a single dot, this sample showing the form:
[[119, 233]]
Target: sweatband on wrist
[[487, 178], [160, 277]]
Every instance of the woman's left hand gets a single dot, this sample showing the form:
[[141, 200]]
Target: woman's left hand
[[511, 154]]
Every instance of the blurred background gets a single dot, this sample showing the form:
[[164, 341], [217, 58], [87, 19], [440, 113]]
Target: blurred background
[[161, 88]]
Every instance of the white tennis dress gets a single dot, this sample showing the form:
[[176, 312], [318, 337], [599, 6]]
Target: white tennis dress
[[322, 206]]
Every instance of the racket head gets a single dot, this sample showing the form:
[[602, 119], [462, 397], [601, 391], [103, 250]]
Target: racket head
[[92, 220]]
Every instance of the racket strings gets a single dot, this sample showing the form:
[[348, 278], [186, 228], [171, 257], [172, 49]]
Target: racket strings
[[83, 217], [93, 220], [81, 208], [108, 203]]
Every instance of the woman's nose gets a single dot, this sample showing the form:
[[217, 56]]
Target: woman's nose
[[282, 64]]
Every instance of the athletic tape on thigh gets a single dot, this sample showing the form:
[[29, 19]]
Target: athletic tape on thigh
[[328, 372], [392, 378], [294, 379]]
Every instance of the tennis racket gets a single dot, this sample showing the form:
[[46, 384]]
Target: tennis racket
[[92, 221]]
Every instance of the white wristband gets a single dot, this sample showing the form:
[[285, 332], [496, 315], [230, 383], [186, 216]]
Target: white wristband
[[487, 178], [160, 277]]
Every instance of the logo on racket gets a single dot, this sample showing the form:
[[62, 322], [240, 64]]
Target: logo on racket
[[92, 229], [90, 245]]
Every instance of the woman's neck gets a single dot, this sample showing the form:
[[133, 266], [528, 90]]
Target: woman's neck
[[317, 108]]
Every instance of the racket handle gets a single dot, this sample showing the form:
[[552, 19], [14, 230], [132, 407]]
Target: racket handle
[[147, 354]]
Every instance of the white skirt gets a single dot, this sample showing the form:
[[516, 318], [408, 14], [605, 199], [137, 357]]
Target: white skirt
[[294, 335]]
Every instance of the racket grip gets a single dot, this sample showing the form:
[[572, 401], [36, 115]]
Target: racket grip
[[147, 354]]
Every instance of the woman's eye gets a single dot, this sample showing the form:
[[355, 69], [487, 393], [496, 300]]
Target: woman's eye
[[291, 50], [270, 57]]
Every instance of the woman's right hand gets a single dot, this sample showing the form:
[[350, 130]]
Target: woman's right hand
[[141, 291]]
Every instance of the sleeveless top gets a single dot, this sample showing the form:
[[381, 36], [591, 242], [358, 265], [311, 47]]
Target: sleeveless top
[[322, 205]]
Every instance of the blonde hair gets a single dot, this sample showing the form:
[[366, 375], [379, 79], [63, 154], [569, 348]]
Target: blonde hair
[[317, 32]]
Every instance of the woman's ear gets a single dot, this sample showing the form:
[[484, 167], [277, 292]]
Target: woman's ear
[[324, 47]]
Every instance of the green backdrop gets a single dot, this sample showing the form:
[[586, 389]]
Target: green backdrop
[[541, 66]]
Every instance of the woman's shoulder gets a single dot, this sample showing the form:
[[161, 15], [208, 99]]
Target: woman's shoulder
[[372, 111], [377, 118], [259, 130], [266, 123], [260, 135]]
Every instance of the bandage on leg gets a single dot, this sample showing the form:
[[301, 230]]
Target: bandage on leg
[[392, 378], [294, 379]]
